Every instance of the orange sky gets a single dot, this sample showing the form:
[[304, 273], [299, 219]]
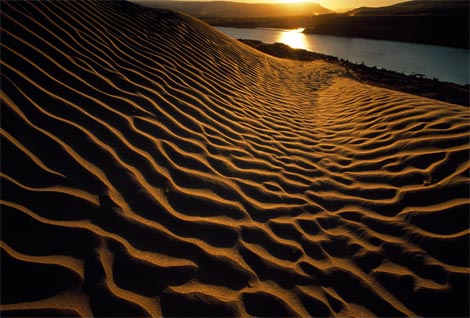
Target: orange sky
[[331, 4], [351, 4]]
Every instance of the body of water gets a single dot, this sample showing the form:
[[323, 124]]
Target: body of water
[[445, 63]]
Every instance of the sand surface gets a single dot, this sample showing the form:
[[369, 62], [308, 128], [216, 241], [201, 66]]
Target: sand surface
[[153, 166]]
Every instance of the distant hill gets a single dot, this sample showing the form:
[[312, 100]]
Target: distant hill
[[432, 22], [230, 9], [417, 7]]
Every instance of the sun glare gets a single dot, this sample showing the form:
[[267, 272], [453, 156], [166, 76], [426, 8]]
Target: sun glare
[[292, 1], [294, 38]]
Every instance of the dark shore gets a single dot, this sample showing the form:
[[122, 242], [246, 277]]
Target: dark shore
[[260, 22], [413, 84], [436, 30], [434, 22]]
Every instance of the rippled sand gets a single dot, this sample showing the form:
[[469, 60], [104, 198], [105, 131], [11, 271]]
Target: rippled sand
[[153, 166]]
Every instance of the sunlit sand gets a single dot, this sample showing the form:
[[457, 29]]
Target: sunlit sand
[[152, 166]]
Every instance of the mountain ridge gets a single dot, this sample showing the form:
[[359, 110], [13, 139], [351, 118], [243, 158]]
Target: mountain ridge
[[201, 9], [419, 21]]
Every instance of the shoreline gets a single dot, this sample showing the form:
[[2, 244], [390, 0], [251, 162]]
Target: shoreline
[[387, 28], [413, 84], [448, 31], [293, 22]]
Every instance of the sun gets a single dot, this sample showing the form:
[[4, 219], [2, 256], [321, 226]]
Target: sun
[[293, 1]]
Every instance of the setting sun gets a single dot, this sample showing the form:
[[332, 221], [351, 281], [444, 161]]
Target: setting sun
[[337, 4], [293, 1]]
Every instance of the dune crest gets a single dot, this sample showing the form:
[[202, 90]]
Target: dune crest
[[153, 166]]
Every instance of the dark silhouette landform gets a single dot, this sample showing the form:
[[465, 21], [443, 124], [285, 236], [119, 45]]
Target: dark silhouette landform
[[289, 22], [230, 9], [245, 15], [437, 22], [421, 21], [153, 166]]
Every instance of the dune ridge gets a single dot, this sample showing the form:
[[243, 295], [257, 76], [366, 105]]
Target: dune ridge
[[153, 166]]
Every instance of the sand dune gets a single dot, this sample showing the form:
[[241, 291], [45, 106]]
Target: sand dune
[[153, 166]]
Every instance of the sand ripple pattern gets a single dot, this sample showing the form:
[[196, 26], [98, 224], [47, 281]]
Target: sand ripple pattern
[[153, 166]]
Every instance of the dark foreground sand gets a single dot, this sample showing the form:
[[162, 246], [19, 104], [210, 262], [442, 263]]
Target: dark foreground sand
[[153, 166]]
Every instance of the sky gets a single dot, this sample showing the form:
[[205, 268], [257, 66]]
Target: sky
[[352, 4], [332, 4]]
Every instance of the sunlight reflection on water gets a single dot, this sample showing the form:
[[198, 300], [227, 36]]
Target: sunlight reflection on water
[[445, 63], [293, 38]]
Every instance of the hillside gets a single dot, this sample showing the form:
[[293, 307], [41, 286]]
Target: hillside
[[228, 9], [418, 7], [432, 22], [152, 166]]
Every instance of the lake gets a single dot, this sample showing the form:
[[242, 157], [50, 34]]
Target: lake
[[445, 63]]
